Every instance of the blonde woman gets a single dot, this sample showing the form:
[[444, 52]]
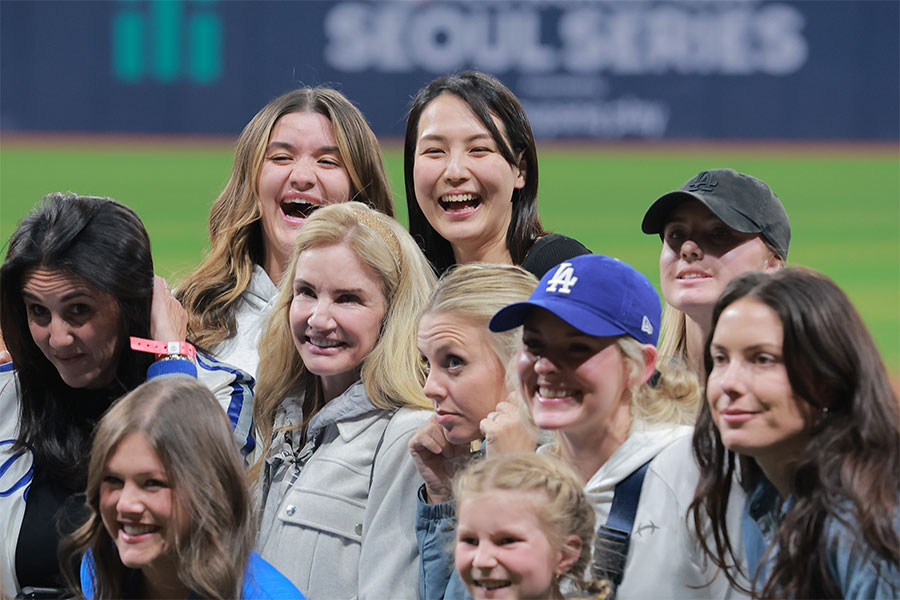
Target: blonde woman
[[339, 396], [467, 384], [305, 149], [588, 355], [716, 226]]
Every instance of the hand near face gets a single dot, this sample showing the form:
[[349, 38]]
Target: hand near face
[[436, 459], [168, 319], [505, 432]]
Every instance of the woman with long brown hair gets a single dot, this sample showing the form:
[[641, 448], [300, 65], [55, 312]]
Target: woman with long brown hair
[[305, 149], [170, 513], [800, 410]]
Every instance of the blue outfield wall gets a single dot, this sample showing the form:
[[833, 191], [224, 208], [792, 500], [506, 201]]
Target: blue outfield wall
[[707, 69]]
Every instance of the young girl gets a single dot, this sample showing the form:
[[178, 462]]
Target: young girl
[[589, 352], [170, 513], [339, 396], [524, 523], [797, 394]]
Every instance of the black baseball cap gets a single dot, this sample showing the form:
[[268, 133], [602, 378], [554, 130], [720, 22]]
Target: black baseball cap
[[741, 201]]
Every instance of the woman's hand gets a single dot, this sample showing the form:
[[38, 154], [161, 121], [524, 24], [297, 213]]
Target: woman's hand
[[168, 319], [505, 432], [436, 459]]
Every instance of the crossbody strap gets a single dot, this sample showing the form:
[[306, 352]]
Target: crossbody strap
[[612, 540]]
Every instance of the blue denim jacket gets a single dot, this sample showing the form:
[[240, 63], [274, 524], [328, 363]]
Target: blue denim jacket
[[858, 572], [436, 533]]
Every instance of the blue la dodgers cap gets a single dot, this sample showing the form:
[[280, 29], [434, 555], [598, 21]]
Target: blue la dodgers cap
[[597, 295]]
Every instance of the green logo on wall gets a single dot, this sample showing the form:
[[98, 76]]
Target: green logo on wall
[[164, 40]]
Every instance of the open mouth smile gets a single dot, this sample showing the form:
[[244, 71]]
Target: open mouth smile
[[452, 203], [298, 208]]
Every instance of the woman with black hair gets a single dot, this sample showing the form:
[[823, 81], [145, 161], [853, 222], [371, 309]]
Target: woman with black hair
[[471, 171], [800, 410], [76, 284]]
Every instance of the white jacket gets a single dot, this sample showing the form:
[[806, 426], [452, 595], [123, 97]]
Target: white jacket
[[336, 526], [232, 388], [664, 556], [254, 305]]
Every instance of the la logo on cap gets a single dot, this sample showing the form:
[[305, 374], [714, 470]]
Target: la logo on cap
[[564, 279], [703, 182]]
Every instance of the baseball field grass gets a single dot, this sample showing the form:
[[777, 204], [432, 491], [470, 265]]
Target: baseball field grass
[[843, 200]]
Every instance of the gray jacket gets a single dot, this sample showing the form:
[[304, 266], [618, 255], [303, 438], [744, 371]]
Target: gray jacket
[[339, 514]]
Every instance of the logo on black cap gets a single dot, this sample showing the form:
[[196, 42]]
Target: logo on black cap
[[703, 182]]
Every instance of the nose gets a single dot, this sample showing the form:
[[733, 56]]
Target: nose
[[302, 175], [60, 333], [543, 365], [691, 250], [320, 318], [433, 389], [129, 502], [456, 169], [733, 379], [484, 556]]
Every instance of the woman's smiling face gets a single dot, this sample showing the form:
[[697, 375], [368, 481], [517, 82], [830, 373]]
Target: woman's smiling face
[[336, 314], [700, 255], [571, 381], [463, 184]]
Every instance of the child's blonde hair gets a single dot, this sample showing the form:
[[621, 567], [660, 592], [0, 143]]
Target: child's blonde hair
[[553, 489]]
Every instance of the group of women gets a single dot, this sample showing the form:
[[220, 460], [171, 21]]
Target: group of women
[[532, 408]]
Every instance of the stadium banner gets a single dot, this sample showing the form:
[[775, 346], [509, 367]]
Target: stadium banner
[[685, 69]]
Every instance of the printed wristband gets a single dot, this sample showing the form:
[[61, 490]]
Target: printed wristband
[[165, 350]]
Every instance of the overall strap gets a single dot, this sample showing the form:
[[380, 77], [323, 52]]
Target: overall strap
[[612, 540]]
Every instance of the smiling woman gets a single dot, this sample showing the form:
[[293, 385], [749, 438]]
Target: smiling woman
[[180, 520], [339, 396], [716, 226], [471, 172], [305, 149], [585, 367], [799, 414], [76, 284]]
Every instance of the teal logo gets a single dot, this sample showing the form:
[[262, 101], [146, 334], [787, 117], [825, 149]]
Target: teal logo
[[166, 41]]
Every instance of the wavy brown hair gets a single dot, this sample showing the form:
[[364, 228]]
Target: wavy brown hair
[[850, 471], [210, 293], [192, 439], [487, 97]]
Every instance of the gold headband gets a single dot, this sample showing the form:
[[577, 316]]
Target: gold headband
[[378, 227]]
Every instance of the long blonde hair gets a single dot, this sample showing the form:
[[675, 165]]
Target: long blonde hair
[[210, 293], [392, 372], [192, 439]]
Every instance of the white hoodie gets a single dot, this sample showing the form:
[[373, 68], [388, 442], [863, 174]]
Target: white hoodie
[[664, 556]]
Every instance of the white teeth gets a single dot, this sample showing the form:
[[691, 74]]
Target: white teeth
[[459, 198], [492, 585], [553, 393], [324, 343], [296, 201], [693, 276], [138, 529]]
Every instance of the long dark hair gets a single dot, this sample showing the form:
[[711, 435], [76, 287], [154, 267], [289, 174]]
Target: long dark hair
[[849, 473], [487, 97], [104, 243]]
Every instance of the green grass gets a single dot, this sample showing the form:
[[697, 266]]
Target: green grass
[[844, 206]]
